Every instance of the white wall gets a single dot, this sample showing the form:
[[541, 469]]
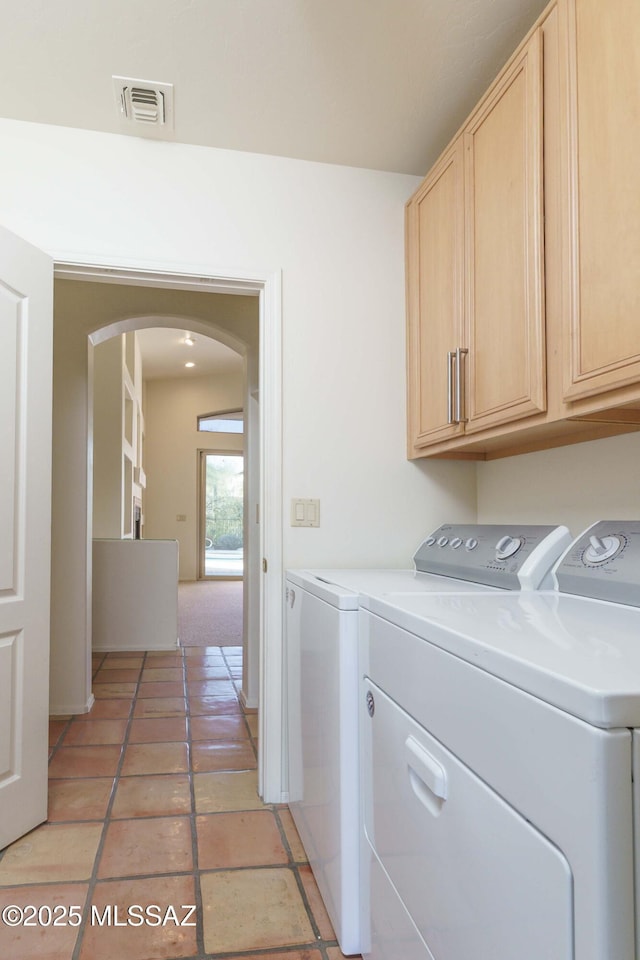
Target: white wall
[[172, 443], [337, 235], [574, 485]]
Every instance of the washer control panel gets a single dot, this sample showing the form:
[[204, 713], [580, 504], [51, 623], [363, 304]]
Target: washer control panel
[[604, 563], [511, 557]]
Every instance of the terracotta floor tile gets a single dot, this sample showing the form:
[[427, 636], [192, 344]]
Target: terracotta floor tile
[[160, 730], [141, 758], [162, 688], [150, 674], [152, 796], [107, 710], [218, 792], [132, 675], [316, 903], [142, 847], [218, 728], [41, 942], [105, 691], [276, 918], [252, 721], [55, 731], [160, 707], [293, 837], [79, 799], [158, 658], [197, 651], [92, 732], [234, 755], [231, 651], [210, 688], [94, 761], [121, 662], [52, 853], [210, 706], [124, 654], [249, 839], [289, 955], [166, 941], [202, 672]]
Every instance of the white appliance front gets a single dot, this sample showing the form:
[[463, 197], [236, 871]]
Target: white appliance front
[[322, 722], [538, 697], [322, 682]]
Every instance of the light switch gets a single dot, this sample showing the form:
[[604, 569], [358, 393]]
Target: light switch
[[305, 512], [181, 517]]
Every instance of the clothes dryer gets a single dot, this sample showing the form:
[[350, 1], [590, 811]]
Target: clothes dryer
[[322, 681], [500, 752]]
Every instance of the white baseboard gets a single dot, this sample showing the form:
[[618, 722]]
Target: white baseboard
[[249, 703], [66, 709], [128, 649]]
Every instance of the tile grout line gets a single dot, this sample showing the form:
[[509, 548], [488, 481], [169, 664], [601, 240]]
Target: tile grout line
[[93, 880]]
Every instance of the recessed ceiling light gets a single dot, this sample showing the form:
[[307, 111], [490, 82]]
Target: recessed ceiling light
[[190, 364]]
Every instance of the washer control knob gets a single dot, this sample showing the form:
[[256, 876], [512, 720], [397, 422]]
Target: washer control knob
[[601, 549], [507, 546], [443, 541], [430, 541], [456, 542], [471, 543]]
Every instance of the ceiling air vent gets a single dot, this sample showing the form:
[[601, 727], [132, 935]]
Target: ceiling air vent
[[144, 105]]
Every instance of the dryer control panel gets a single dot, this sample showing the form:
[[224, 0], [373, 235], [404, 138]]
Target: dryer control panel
[[603, 563], [512, 557]]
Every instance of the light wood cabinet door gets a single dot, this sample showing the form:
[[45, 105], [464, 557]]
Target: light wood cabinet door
[[505, 331], [602, 332], [435, 248]]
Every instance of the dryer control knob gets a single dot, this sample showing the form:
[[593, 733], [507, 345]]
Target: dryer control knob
[[456, 542], [508, 546], [601, 549], [471, 543], [443, 541]]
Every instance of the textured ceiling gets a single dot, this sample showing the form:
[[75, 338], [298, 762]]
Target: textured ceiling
[[369, 83]]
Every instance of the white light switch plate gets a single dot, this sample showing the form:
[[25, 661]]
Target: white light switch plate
[[305, 512]]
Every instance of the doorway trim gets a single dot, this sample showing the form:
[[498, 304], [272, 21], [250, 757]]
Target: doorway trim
[[267, 286]]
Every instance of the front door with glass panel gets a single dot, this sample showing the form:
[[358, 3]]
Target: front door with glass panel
[[221, 515]]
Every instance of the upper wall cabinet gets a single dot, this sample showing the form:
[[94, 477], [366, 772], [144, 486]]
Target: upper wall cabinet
[[475, 268], [504, 303], [523, 246], [435, 298], [603, 312]]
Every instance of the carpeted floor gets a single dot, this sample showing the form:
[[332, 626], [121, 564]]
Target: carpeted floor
[[210, 613]]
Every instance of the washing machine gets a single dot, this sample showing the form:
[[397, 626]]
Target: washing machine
[[322, 681], [500, 765]]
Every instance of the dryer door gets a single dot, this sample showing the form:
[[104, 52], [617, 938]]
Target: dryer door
[[477, 879]]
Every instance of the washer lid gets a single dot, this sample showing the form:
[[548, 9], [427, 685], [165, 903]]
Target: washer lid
[[335, 586], [580, 655]]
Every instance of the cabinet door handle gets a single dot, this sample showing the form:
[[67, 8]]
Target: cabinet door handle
[[460, 398], [450, 362]]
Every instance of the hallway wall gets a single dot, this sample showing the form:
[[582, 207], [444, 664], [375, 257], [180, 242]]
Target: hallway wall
[[172, 443]]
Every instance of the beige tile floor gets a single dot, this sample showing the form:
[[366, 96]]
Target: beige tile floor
[[153, 803]]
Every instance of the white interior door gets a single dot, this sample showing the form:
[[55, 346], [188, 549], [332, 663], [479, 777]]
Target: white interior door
[[26, 353]]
